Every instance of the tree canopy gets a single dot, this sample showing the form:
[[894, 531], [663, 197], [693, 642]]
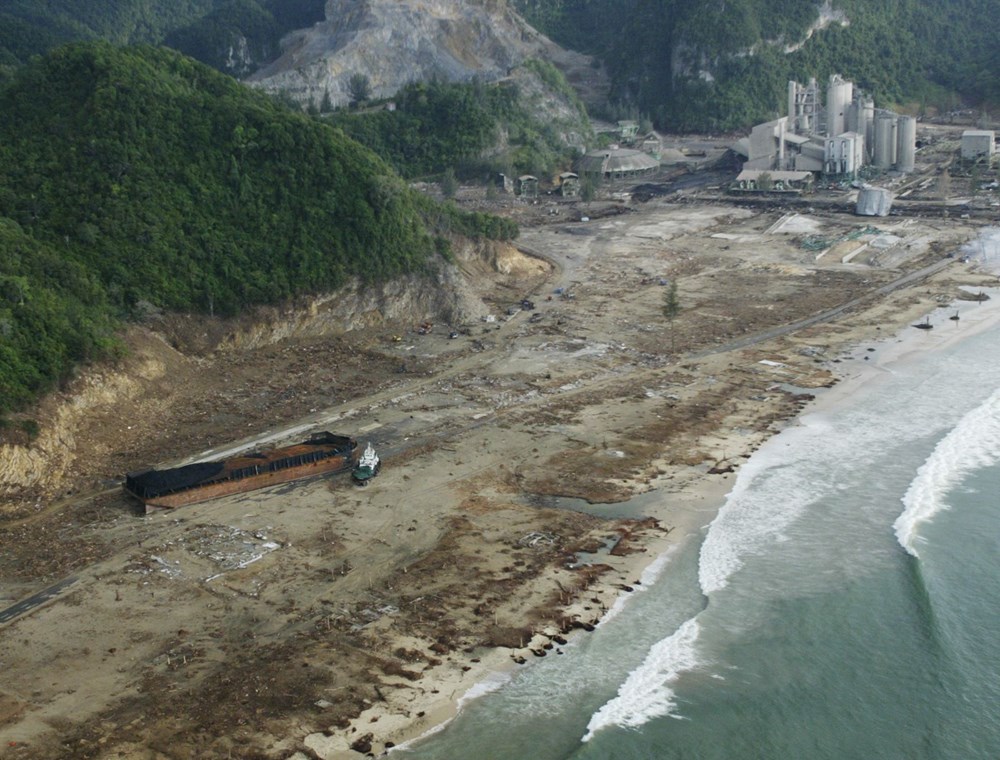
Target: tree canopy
[[723, 64], [437, 126], [208, 30], [132, 177]]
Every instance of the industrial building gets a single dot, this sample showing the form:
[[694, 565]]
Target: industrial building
[[609, 164], [569, 185], [837, 139], [526, 186], [978, 145], [753, 180]]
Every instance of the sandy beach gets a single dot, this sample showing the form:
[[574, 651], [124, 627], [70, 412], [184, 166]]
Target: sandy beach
[[693, 506], [535, 467]]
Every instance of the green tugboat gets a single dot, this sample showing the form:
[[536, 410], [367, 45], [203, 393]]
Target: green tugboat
[[367, 468]]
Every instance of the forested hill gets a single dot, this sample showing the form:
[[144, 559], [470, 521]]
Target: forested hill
[[234, 36], [134, 175], [724, 64]]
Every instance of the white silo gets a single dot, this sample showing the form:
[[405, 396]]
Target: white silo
[[868, 107], [906, 143], [838, 100], [885, 146], [854, 117], [893, 141], [873, 201]]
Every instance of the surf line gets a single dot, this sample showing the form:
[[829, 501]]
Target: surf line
[[972, 444]]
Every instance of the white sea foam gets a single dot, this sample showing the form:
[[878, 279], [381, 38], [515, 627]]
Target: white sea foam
[[985, 249], [492, 682], [646, 693], [769, 495], [806, 464], [973, 443], [409, 743], [647, 579], [821, 456]]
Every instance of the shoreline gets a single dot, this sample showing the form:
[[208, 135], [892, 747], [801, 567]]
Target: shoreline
[[690, 509], [906, 344], [517, 451]]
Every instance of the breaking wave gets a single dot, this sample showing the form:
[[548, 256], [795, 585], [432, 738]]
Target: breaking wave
[[645, 694], [972, 444], [750, 519], [769, 495], [794, 471]]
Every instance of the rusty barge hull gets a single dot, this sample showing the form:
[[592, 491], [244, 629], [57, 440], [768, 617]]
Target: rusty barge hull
[[195, 483], [229, 487]]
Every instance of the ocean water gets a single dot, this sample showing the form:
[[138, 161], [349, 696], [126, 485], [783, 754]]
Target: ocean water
[[844, 603]]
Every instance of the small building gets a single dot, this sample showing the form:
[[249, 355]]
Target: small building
[[670, 156], [652, 145], [628, 130], [844, 154], [978, 145], [526, 186], [611, 164], [504, 183], [763, 181], [569, 185]]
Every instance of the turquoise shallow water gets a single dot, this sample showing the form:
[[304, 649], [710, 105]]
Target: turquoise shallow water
[[843, 604]]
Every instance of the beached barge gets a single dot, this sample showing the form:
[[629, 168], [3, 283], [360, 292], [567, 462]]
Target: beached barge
[[193, 483]]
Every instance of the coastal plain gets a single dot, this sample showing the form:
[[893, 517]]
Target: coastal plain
[[536, 458]]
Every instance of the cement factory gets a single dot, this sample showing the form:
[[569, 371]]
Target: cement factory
[[837, 140]]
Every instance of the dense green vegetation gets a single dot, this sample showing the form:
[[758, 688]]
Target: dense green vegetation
[[132, 177], [435, 125], [31, 27], [439, 125], [53, 314], [208, 30], [685, 64]]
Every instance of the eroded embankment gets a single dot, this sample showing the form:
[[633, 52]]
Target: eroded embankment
[[176, 367]]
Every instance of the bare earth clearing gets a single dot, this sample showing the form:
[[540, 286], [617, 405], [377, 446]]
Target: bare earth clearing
[[304, 619]]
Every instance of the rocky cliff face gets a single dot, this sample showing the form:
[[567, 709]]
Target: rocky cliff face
[[395, 42]]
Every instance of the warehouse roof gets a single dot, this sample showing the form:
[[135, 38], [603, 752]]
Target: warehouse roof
[[617, 161]]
